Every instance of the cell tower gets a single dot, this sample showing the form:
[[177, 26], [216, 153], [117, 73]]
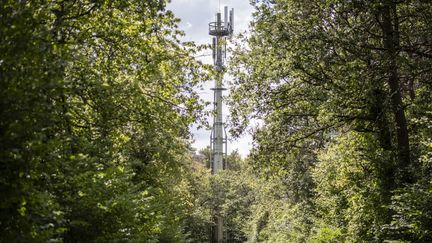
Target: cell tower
[[218, 138]]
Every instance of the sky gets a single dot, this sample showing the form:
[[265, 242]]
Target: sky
[[195, 16]]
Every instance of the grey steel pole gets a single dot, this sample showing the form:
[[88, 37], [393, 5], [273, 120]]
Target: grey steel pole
[[220, 30]]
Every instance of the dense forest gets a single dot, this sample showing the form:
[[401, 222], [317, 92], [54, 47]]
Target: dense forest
[[97, 100]]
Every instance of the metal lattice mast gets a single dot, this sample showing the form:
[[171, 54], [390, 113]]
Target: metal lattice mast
[[218, 139]]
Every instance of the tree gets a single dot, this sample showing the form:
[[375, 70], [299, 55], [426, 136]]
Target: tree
[[96, 99], [315, 71]]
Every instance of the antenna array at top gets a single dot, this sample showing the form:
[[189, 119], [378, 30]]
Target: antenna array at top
[[225, 28]]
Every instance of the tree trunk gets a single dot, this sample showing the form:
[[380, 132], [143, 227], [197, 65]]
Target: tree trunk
[[390, 30]]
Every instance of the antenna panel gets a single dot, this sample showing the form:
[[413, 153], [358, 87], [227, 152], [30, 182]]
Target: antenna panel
[[226, 17], [214, 48], [232, 20]]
